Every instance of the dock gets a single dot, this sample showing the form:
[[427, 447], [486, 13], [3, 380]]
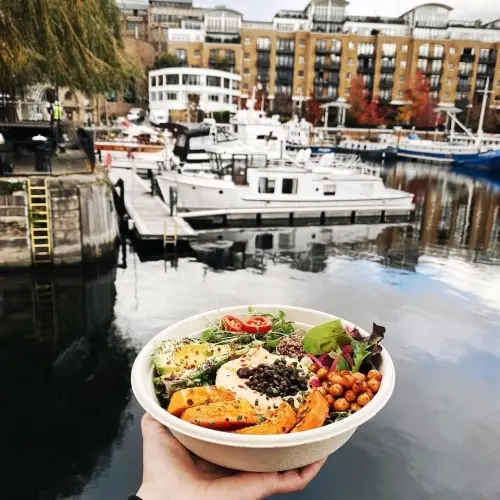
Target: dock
[[150, 214]]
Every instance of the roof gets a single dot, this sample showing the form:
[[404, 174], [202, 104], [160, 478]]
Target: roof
[[429, 4], [225, 9]]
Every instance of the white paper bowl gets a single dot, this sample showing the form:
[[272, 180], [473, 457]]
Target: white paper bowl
[[255, 453]]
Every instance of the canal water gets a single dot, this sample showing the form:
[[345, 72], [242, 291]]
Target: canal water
[[69, 425]]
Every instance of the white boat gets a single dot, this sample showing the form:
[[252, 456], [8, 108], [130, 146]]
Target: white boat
[[250, 178]]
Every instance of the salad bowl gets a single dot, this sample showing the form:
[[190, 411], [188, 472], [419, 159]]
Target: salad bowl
[[255, 453]]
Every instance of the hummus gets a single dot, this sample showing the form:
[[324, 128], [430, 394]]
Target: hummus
[[227, 378]]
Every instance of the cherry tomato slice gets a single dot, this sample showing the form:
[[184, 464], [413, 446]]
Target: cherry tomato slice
[[257, 324], [232, 323]]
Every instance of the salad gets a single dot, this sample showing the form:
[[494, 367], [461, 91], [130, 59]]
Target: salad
[[262, 374]]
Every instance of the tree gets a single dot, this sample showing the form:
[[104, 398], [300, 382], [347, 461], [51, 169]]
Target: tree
[[313, 112], [491, 119], [283, 104], [220, 63], [357, 98], [371, 115], [64, 43], [166, 61]]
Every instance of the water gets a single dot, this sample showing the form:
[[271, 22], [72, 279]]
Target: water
[[69, 426]]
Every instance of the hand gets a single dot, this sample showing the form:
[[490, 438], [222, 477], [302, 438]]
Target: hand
[[171, 471]]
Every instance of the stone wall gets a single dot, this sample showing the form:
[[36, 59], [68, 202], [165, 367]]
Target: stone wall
[[84, 225], [14, 235]]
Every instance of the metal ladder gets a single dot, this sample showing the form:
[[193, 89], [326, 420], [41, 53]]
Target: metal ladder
[[169, 239], [39, 221], [44, 313]]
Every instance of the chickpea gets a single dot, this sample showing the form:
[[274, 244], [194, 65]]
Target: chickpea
[[313, 368], [347, 381], [359, 387], [359, 377], [336, 390], [370, 394], [341, 405], [363, 400], [350, 396], [330, 400], [334, 378], [374, 374], [322, 391], [343, 373], [374, 385], [322, 373], [355, 407]]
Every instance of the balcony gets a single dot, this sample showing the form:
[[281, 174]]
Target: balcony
[[263, 62], [435, 86], [436, 56], [218, 39], [366, 69], [463, 87], [284, 79], [489, 71], [386, 84], [327, 81], [388, 68], [432, 70], [383, 99], [319, 96], [331, 65], [284, 65], [367, 56], [490, 59], [263, 48], [462, 103], [285, 49], [465, 72], [467, 58], [322, 50], [336, 49]]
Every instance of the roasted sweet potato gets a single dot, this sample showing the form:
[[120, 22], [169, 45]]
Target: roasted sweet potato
[[280, 421], [312, 413], [224, 416], [197, 396]]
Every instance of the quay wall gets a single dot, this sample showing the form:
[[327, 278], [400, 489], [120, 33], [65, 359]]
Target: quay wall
[[83, 221]]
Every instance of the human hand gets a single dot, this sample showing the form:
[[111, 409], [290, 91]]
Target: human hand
[[170, 471]]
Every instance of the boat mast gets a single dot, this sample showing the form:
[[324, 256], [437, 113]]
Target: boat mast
[[483, 112]]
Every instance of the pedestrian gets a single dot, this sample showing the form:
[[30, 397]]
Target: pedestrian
[[56, 114]]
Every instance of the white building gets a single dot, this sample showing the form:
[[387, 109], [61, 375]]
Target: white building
[[170, 89]]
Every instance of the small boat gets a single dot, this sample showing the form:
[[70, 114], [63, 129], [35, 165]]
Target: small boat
[[486, 160], [245, 177], [384, 149]]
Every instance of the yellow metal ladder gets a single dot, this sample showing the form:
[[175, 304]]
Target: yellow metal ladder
[[39, 221], [169, 238]]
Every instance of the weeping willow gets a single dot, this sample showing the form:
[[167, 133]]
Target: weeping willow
[[68, 43]]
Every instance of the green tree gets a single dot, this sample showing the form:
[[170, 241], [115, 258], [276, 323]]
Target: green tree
[[166, 61], [221, 63], [66, 43]]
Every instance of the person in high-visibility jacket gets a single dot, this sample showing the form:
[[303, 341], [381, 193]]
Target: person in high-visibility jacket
[[57, 112], [56, 118]]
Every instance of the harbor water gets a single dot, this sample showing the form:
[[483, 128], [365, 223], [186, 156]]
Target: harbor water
[[70, 427]]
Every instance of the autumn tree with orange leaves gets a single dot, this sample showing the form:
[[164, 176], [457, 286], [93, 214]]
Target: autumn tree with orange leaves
[[313, 113], [420, 110], [364, 110]]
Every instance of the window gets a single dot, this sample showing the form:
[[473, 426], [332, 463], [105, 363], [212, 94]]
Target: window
[[227, 83], [289, 186], [132, 26], [246, 71], [451, 66], [214, 81], [226, 99], [497, 97], [190, 79], [452, 51], [301, 74], [401, 79], [172, 79], [245, 86], [153, 96], [351, 46], [348, 76], [236, 85], [329, 189], [213, 98], [349, 61], [153, 81], [266, 185], [160, 80], [247, 56], [404, 49], [448, 81], [196, 53], [446, 95], [171, 96], [248, 40], [402, 64], [401, 93], [301, 60], [302, 43], [181, 54], [263, 43], [160, 96]]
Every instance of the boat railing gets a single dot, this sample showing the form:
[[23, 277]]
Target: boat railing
[[348, 162]]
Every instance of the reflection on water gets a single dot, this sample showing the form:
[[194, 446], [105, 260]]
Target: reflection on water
[[68, 340], [65, 381]]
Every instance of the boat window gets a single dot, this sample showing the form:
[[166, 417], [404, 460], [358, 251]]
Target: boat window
[[181, 141], [257, 161], [290, 186], [240, 169], [266, 185], [264, 241], [329, 189], [286, 241]]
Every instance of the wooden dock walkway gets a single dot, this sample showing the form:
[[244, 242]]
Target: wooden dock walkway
[[150, 215]]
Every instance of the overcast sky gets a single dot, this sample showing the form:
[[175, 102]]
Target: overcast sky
[[263, 10]]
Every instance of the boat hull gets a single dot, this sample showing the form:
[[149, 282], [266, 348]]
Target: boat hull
[[489, 160], [315, 150]]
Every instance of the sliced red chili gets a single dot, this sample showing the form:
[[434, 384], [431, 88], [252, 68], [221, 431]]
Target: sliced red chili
[[232, 323], [257, 324]]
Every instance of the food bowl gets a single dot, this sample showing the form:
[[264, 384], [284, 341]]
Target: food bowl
[[268, 453]]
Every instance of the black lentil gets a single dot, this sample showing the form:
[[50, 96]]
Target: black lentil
[[275, 380]]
